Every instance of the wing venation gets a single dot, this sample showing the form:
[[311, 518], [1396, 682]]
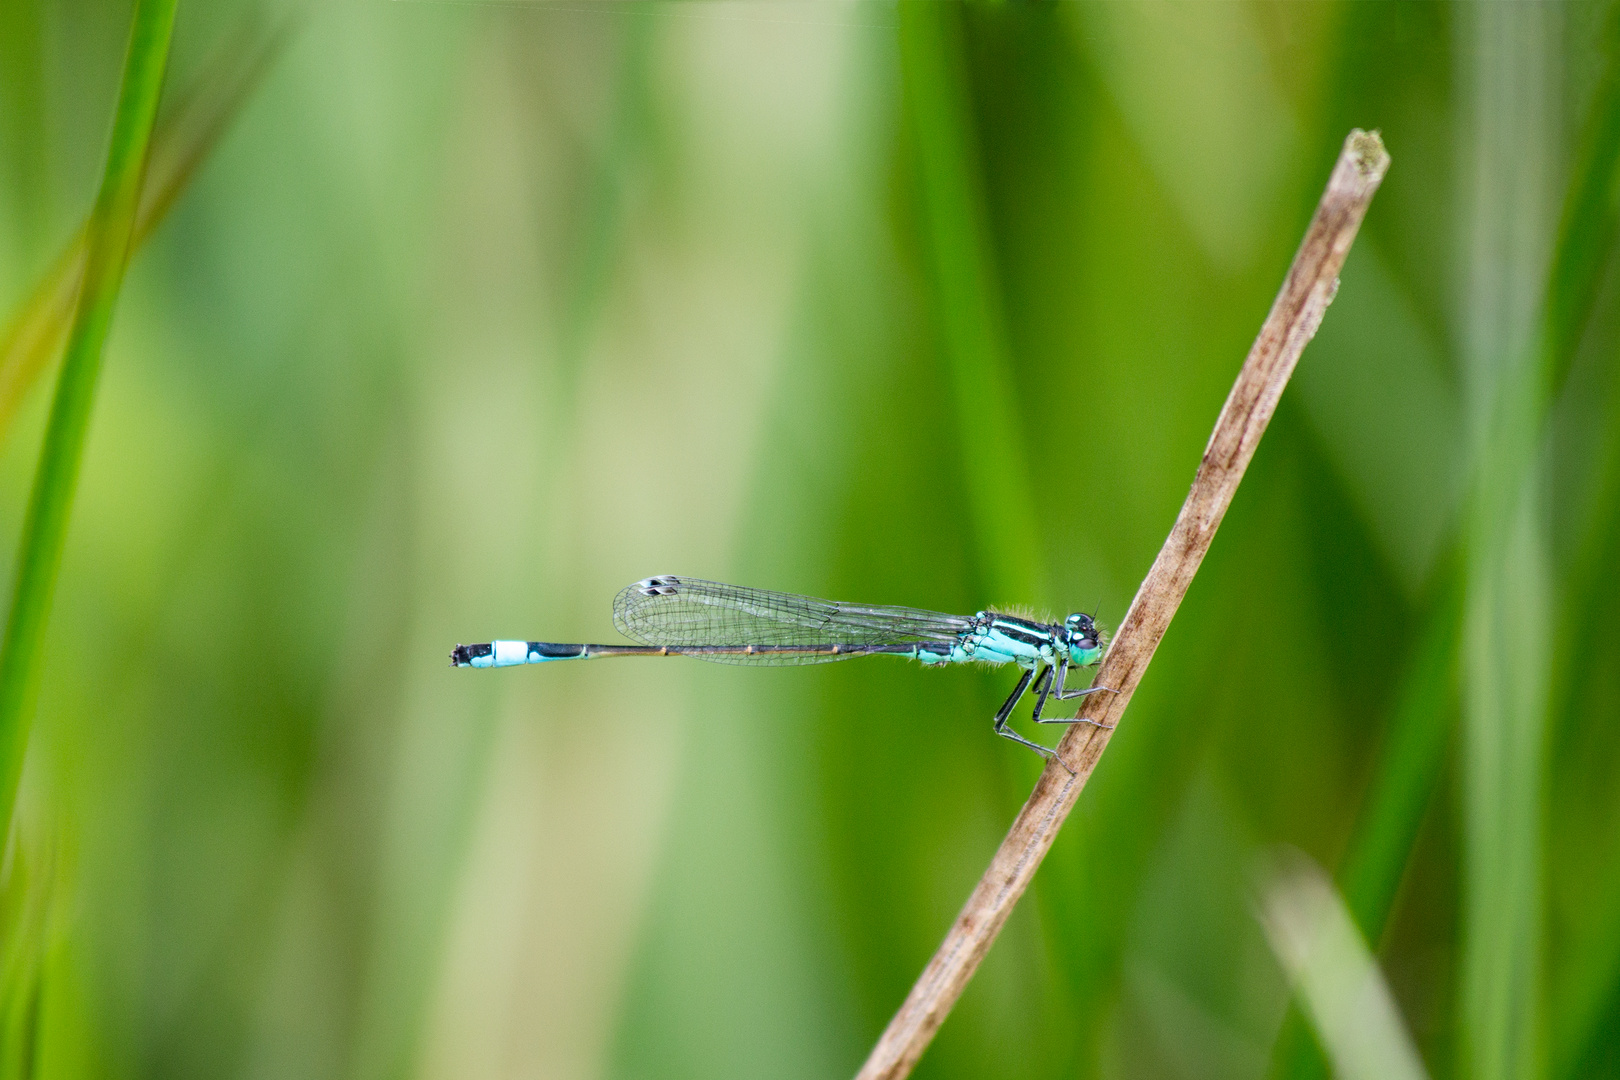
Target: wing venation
[[682, 612]]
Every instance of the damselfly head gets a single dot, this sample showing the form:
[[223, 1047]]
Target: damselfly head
[[1083, 636]]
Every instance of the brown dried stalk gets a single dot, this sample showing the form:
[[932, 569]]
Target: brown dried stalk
[[1293, 320]]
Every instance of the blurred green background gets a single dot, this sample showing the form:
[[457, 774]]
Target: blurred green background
[[478, 312]]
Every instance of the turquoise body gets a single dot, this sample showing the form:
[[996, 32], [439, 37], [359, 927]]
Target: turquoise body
[[1006, 639]]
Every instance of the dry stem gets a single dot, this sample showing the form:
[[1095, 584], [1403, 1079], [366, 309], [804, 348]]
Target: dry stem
[[1293, 320]]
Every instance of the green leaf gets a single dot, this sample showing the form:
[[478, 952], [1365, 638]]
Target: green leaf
[[967, 304], [107, 244]]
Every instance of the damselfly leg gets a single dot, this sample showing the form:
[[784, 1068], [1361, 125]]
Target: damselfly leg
[[1006, 710], [1047, 682], [1063, 693]]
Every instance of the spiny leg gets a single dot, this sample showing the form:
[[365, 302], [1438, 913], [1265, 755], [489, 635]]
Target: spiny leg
[[1006, 710], [1012, 699], [1063, 693], [1060, 693]]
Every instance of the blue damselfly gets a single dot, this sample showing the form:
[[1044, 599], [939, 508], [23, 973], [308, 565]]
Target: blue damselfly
[[732, 624]]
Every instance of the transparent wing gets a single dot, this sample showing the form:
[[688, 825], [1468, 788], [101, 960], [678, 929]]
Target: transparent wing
[[681, 612]]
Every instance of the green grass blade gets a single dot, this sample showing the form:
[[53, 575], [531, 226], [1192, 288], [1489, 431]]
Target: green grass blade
[[107, 246], [1500, 563], [1409, 765], [1314, 936], [1591, 219], [966, 303], [189, 131], [603, 223], [1506, 565], [27, 891], [1413, 757], [1410, 762], [1582, 994]]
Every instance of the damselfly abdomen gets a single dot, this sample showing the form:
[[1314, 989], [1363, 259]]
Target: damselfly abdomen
[[732, 624]]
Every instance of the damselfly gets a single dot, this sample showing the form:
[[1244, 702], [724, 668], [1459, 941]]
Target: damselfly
[[731, 624]]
